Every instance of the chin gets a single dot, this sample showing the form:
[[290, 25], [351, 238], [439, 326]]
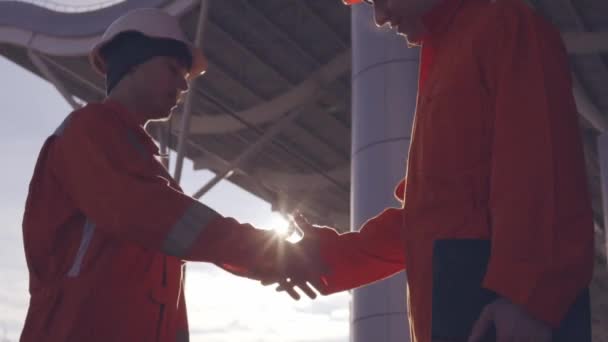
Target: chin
[[165, 112], [161, 119], [161, 115], [413, 39], [407, 36]]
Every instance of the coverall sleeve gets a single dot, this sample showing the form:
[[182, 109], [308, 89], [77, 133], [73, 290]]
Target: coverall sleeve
[[541, 222], [358, 258], [126, 196]]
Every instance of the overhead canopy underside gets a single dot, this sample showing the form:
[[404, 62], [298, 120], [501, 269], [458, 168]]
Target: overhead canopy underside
[[280, 71]]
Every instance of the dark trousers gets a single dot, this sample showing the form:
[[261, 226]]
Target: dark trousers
[[458, 269]]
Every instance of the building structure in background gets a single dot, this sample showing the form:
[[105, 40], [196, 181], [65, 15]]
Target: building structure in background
[[274, 113]]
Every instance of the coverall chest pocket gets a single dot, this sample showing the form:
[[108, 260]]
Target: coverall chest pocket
[[453, 121]]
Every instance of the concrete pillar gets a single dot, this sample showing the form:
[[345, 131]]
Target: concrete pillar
[[384, 80], [602, 150]]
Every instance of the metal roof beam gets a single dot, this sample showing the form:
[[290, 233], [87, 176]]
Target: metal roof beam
[[67, 34], [281, 33], [92, 86], [286, 36], [276, 142], [585, 105], [588, 40], [163, 132], [271, 110], [585, 42], [306, 181], [48, 74], [253, 55], [249, 152], [187, 109], [587, 108], [219, 163], [343, 44]]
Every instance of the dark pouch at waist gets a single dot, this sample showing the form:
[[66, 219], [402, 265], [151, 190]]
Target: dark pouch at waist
[[459, 266]]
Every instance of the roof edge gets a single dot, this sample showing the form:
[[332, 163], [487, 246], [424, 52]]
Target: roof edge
[[69, 34]]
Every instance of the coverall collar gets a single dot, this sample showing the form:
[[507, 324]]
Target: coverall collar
[[438, 19], [134, 121], [129, 117]]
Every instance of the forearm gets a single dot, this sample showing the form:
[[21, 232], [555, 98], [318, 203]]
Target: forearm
[[359, 258]]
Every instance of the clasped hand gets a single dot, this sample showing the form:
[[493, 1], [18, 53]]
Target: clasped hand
[[301, 264]]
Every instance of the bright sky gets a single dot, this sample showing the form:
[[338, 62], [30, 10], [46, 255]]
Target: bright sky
[[221, 307]]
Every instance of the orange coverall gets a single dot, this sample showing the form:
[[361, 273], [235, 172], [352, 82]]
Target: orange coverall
[[495, 154], [107, 231]]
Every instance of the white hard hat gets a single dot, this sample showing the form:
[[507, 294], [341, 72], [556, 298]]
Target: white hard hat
[[153, 23]]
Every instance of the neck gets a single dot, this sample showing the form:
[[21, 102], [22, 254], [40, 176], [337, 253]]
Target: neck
[[126, 101], [427, 19], [130, 104]]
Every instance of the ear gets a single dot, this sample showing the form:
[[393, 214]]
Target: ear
[[133, 70], [129, 80], [132, 74]]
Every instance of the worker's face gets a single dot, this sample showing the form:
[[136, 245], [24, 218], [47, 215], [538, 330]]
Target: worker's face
[[158, 84], [402, 15]]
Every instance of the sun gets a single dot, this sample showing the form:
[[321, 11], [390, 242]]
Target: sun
[[282, 227], [279, 224]]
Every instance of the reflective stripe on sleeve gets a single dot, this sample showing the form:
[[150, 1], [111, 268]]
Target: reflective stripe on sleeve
[[187, 228], [87, 236], [62, 126], [182, 336]]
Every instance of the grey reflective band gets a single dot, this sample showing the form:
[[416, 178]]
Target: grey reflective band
[[87, 236], [187, 229], [182, 336], [62, 126]]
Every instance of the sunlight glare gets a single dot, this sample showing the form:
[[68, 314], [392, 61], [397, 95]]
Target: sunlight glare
[[279, 224], [282, 227]]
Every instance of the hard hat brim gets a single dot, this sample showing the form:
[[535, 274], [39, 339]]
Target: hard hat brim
[[199, 62], [354, 2]]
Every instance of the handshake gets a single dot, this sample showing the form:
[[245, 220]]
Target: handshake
[[295, 265]]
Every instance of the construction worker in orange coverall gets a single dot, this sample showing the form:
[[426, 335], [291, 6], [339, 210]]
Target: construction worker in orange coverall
[[495, 170], [106, 229]]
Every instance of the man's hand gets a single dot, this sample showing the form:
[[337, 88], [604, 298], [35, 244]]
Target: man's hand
[[512, 324], [287, 285], [303, 265]]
